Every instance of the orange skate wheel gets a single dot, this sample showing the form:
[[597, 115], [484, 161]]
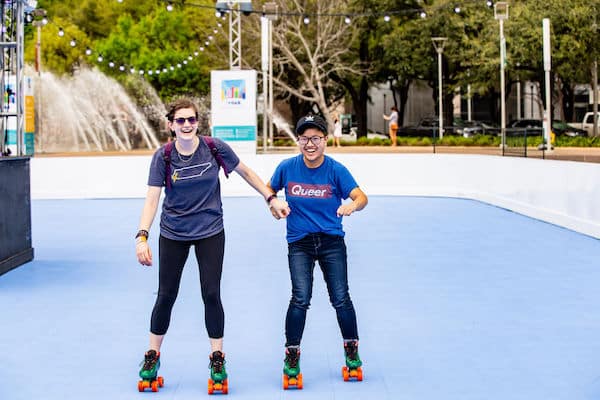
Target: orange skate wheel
[[211, 387], [286, 382], [299, 381], [161, 381], [141, 386], [345, 374], [225, 389], [154, 386], [359, 374]]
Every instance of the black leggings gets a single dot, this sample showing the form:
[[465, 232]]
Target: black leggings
[[172, 257]]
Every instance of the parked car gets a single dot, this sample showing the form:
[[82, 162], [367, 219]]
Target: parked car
[[587, 123], [472, 128], [425, 127], [535, 127], [564, 129]]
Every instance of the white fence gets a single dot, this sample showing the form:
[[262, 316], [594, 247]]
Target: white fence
[[561, 192]]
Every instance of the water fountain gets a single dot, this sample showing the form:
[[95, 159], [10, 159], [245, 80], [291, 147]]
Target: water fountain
[[90, 112]]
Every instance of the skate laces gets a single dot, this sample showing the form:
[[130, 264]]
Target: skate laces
[[351, 349], [217, 360], [150, 359], [292, 355]]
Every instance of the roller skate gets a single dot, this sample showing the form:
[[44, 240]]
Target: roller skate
[[149, 372], [218, 374], [291, 368], [352, 369]]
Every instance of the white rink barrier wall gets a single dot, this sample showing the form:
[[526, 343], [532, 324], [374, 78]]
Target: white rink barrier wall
[[564, 193]]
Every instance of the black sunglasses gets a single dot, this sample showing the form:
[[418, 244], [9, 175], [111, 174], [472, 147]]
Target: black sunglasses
[[181, 120]]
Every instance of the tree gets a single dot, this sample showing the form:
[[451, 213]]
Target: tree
[[307, 55]]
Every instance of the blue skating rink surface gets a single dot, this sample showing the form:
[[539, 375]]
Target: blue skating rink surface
[[456, 300]]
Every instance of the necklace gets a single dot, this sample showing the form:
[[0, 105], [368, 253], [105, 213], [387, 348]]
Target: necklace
[[188, 158], [183, 159]]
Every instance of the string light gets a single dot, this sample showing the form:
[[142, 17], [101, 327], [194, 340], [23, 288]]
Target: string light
[[222, 14]]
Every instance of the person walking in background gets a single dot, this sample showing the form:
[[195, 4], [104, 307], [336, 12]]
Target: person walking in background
[[337, 131], [192, 216], [393, 126], [315, 185]]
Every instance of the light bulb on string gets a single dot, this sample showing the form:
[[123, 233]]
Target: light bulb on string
[[111, 64], [169, 7], [88, 52], [386, 18], [73, 43], [121, 68], [141, 72], [423, 14], [347, 20], [457, 9], [132, 70], [61, 33], [100, 58], [306, 20], [150, 72]]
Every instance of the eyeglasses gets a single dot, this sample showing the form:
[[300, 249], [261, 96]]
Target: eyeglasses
[[316, 140], [181, 121]]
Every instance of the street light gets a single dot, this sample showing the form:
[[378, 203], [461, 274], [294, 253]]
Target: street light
[[270, 10], [501, 14], [439, 43]]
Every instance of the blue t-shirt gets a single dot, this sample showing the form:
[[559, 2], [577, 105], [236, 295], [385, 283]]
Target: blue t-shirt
[[314, 195], [192, 208]]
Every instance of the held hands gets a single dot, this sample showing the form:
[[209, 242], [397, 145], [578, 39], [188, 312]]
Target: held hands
[[143, 252], [346, 209], [279, 208]]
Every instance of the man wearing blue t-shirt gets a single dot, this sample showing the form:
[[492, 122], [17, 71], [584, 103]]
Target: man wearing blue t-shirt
[[315, 185]]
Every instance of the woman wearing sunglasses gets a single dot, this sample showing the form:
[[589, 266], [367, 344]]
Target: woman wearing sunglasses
[[315, 186], [191, 215]]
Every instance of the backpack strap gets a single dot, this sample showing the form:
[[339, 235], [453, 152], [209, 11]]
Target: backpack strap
[[167, 158], [213, 149]]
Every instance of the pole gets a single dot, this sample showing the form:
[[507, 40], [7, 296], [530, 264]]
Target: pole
[[469, 102], [595, 97], [518, 97], [531, 100], [502, 84], [440, 102], [264, 25], [271, 82], [547, 68]]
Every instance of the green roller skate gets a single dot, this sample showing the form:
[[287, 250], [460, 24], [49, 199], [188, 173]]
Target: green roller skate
[[149, 372], [218, 374], [291, 368], [352, 369]]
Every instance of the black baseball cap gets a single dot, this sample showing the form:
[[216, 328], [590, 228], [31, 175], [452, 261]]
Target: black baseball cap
[[311, 121]]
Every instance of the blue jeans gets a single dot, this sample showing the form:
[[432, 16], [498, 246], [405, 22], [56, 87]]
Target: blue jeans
[[330, 252]]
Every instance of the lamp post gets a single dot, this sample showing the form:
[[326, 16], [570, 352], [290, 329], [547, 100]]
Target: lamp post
[[469, 100], [501, 14], [270, 14], [518, 93], [439, 43], [531, 99]]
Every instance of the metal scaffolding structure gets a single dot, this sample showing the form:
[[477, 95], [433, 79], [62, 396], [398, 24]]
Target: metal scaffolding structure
[[12, 63]]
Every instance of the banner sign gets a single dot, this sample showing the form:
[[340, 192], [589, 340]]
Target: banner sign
[[233, 108]]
